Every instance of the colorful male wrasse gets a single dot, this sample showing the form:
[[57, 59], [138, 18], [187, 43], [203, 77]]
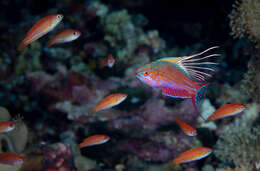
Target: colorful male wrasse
[[11, 159], [94, 140], [64, 36], [186, 128], [179, 77], [7, 126], [193, 154], [110, 101], [226, 111], [40, 28]]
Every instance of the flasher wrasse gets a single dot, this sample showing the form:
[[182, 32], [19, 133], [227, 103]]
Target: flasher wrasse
[[94, 140], [193, 154], [226, 111], [40, 28], [179, 77], [64, 36]]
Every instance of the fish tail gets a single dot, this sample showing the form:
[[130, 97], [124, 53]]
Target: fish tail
[[200, 94], [21, 46]]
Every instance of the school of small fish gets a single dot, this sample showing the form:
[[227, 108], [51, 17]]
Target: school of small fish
[[176, 77]]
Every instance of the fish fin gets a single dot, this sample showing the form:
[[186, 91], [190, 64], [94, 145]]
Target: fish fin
[[194, 65], [176, 93], [21, 46], [198, 96]]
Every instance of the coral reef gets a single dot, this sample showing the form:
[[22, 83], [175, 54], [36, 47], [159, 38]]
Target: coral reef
[[58, 157], [239, 145], [250, 83], [245, 19]]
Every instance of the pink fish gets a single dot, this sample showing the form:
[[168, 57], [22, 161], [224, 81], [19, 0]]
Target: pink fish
[[7, 126], [40, 28], [186, 128], [226, 111], [94, 140], [11, 159], [179, 77], [64, 36], [193, 154]]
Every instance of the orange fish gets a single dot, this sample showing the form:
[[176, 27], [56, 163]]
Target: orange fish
[[11, 159], [6, 126], [94, 140], [109, 101], [64, 36], [225, 111], [186, 128], [193, 154], [40, 28], [110, 61]]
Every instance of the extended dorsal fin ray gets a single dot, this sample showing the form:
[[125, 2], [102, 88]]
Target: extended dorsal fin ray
[[193, 65]]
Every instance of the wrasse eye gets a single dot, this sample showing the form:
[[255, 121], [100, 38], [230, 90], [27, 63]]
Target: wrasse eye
[[74, 33], [145, 73], [59, 16]]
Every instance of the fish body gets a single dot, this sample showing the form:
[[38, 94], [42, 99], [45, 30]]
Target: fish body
[[186, 128], [40, 28], [94, 140], [110, 101], [11, 159], [193, 154], [178, 77], [64, 36], [110, 61], [226, 111], [7, 126]]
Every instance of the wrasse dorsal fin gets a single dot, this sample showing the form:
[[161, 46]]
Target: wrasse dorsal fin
[[194, 65]]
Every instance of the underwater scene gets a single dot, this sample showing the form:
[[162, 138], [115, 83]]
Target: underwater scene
[[134, 85]]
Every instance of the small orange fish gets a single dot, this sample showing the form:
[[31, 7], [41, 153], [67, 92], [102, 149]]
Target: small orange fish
[[109, 101], [94, 140], [193, 154], [11, 159], [64, 36], [6, 126], [107, 62], [40, 28], [225, 111], [110, 61], [186, 128]]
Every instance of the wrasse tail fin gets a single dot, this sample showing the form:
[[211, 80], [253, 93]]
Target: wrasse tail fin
[[196, 66], [198, 96]]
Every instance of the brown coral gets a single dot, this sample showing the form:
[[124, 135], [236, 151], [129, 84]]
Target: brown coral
[[245, 19]]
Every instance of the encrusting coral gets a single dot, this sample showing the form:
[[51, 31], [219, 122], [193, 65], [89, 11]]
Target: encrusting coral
[[239, 145], [245, 19]]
